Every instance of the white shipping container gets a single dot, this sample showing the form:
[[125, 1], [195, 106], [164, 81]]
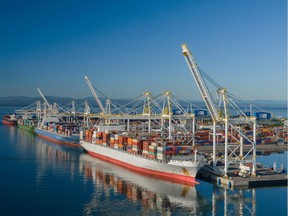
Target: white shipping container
[[162, 144], [134, 148], [154, 144], [160, 156]]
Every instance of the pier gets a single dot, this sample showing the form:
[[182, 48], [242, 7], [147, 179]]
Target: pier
[[236, 178]]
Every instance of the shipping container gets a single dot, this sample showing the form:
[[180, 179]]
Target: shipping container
[[177, 112], [160, 156], [201, 112], [263, 115]]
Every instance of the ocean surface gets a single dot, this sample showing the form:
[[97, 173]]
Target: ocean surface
[[39, 177]]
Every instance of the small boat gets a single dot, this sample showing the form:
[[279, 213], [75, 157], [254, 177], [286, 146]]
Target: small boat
[[9, 119]]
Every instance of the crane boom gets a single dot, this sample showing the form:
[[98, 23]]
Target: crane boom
[[95, 95], [200, 83], [44, 99]]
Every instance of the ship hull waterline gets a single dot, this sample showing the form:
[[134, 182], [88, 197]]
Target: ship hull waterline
[[8, 121], [27, 128], [143, 165]]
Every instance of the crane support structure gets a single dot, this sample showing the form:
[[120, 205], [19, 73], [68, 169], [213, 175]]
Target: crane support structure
[[230, 156], [201, 84], [45, 99], [95, 95]]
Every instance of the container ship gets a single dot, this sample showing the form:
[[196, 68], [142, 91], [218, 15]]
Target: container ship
[[146, 154], [27, 123], [61, 133]]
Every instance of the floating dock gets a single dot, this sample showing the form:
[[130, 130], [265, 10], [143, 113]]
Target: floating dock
[[265, 178]]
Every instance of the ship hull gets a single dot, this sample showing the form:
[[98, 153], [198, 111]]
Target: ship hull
[[8, 121], [144, 165], [57, 138], [27, 128]]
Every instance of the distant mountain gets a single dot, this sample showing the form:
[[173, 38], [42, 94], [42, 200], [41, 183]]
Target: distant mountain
[[25, 101], [17, 101], [269, 103]]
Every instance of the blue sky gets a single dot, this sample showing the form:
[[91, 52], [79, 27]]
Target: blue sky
[[129, 47]]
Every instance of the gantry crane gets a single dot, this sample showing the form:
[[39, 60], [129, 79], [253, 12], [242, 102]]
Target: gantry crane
[[204, 91], [49, 106], [95, 95], [217, 118]]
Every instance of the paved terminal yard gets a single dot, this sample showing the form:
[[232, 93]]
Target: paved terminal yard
[[260, 148]]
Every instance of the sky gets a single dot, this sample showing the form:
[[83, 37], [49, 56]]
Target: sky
[[130, 47]]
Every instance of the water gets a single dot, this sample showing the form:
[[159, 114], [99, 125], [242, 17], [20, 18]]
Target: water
[[42, 178]]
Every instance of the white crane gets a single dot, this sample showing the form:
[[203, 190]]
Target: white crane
[[95, 95], [206, 95], [217, 118], [49, 106], [201, 83]]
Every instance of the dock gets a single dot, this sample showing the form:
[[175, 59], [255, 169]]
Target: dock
[[264, 177]]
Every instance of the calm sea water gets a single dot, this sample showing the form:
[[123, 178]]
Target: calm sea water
[[42, 178]]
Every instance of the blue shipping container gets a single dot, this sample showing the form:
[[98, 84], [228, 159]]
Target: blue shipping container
[[247, 113], [201, 113], [177, 112], [263, 115]]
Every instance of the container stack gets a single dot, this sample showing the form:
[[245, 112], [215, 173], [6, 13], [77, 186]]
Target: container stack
[[146, 144], [112, 140], [99, 138], [137, 146], [152, 151], [182, 150], [129, 144], [203, 134], [116, 141], [123, 142], [162, 151], [106, 138], [88, 134]]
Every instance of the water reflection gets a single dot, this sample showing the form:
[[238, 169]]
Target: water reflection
[[10, 132], [56, 158], [233, 202], [23, 141], [152, 193]]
